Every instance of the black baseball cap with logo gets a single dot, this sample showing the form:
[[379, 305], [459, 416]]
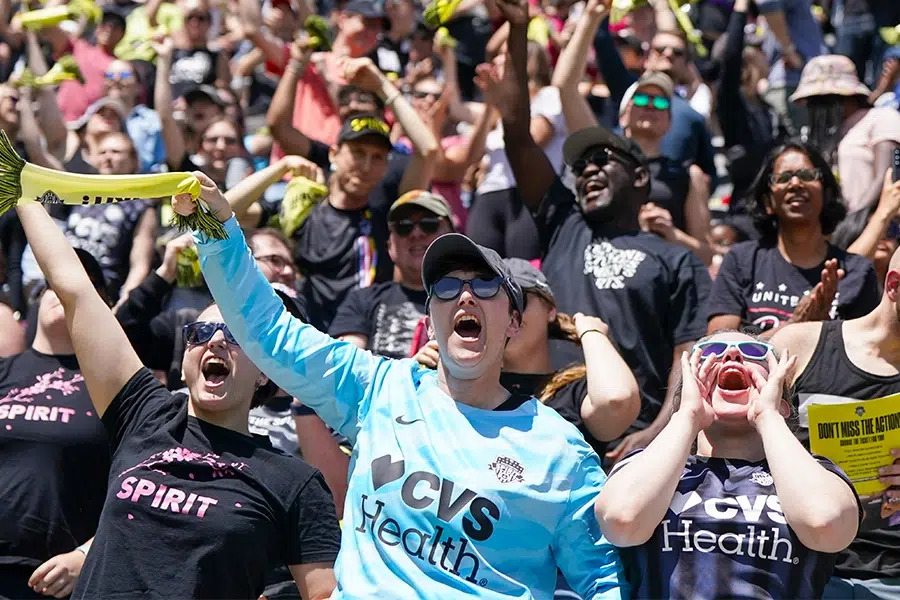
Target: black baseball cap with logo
[[454, 251], [369, 126], [578, 144]]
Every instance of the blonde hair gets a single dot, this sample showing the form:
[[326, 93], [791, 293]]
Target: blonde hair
[[563, 328]]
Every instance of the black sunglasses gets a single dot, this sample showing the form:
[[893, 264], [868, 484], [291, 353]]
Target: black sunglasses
[[805, 175], [599, 158], [200, 332], [449, 288], [427, 225], [675, 51]]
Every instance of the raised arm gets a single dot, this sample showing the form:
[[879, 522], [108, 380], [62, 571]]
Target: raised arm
[[49, 117], [532, 170], [280, 116], [106, 359], [243, 196], [336, 379], [172, 137]]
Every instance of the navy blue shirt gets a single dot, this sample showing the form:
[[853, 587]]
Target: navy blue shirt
[[725, 536]]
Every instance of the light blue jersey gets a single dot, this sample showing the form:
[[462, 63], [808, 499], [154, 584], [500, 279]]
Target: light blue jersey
[[444, 500]]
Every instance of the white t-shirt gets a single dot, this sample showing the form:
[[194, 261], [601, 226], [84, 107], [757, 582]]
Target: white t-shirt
[[856, 153], [545, 104]]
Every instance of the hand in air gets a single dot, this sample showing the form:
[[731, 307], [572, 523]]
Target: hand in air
[[585, 323], [301, 167], [184, 205], [57, 576], [816, 306], [767, 395], [697, 377]]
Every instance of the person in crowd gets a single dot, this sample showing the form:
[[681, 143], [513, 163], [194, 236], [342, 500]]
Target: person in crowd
[[55, 456], [498, 217], [103, 117], [743, 114], [854, 361], [792, 273], [383, 318], [120, 236], [723, 235], [182, 464], [678, 209], [398, 416], [797, 42], [193, 62], [729, 438], [688, 140], [856, 139], [650, 292]]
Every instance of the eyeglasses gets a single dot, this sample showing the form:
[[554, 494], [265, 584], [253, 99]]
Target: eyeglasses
[[449, 288], [201, 17], [749, 350], [422, 95], [200, 332], [645, 100], [427, 225], [678, 52], [805, 175], [279, 263], [230, 140], [599, 158], [120, 76]]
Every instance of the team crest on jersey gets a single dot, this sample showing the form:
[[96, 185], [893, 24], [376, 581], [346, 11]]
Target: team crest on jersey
[[860, 411], [762, 478], [507, 470]]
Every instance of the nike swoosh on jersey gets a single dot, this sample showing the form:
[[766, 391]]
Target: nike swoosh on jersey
[[402, 421]]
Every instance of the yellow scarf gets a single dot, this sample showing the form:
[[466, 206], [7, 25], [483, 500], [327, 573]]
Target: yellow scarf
[[24, 182]]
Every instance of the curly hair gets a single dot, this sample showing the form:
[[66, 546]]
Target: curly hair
[[833, 209]]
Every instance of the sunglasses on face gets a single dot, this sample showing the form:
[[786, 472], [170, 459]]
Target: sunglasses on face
[[427, 225], [420, 95], [678, 52], [121, 76], [805, 175], [749, 350], [200, 332], [645, 100], [199, 17], [279, 263], [449, 288], [599, 158], [214, 139]]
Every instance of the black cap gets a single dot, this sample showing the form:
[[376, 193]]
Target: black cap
[[204, 91], [365, 125], [95, 274], [530, 278], [452, 251], [368, 9], [582, 140]]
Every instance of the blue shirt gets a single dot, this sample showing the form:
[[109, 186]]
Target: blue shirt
[[145, 130], [444, 499], [804, 31]]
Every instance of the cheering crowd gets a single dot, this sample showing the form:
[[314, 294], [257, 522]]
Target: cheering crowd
[[483, 298]]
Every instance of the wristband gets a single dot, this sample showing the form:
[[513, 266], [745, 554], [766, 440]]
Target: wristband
[[301, 410], [84, 548], [584, 333], [390, 99]]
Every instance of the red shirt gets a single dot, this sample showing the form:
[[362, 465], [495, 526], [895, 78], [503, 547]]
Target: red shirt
[[74, 98]]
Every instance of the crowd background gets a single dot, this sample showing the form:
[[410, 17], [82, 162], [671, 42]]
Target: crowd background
[[769, 134]]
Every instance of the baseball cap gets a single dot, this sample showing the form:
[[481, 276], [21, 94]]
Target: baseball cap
[[582, 140], [452, 251], [430, 201], [92, 110], [657, 79], [204, 91], [530, 278], [365, 125]]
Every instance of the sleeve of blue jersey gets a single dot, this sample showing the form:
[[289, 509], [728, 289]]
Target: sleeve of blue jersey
[[590, 563], [335, 378]]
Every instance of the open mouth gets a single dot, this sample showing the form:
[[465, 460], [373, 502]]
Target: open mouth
[[467, 326], [733, 379], [215, 371], [796, 199]]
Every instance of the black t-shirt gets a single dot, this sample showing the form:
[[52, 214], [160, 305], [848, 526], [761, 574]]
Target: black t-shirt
[[566, 401], [54, 459], [191, 68], [77, 164], [390, 57], [669, 187], [756, 283], [649, 291], [387, 313], [725, 536], [831, 377], [336, 251], [198, 511]]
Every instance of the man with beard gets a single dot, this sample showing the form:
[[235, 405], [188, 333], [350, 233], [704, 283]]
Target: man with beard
[[648, 290], [850, 361]]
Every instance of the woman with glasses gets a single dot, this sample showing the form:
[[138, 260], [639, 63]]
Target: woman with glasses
[[196, 506], [792, 273], [725, 502], [458, 487], [678, 207]]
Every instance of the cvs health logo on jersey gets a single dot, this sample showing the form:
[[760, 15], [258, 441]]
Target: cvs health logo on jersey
[[745, 516], [425, 491]]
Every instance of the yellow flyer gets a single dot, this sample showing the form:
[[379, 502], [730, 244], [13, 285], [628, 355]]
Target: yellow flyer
[[858, 437]]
